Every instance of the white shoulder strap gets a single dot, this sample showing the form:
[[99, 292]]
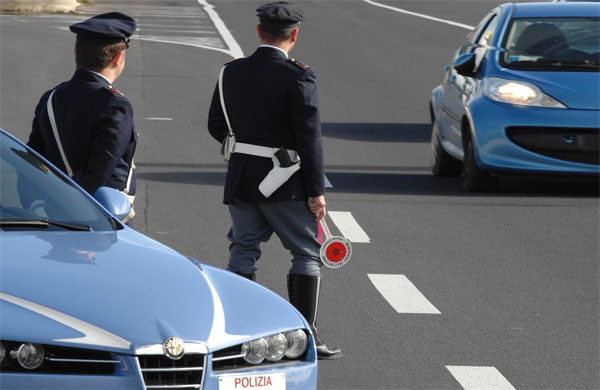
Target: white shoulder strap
[[56, 136], [223, 99]]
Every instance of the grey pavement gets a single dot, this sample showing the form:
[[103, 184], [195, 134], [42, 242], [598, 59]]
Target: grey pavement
[[514, 273]]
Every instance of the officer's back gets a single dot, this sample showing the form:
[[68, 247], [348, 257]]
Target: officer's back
[[80, 106], [84, 125], [259, 91]]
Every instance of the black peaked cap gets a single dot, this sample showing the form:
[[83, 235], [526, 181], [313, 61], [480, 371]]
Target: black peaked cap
[[113, 25], [280, 14]]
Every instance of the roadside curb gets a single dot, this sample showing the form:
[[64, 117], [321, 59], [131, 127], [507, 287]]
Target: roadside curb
[[38, 6]]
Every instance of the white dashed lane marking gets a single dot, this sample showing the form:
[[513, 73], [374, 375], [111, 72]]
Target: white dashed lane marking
[[348, 226], [402, 295], [480, 378]]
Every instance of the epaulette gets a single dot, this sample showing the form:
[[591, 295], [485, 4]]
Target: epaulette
[[232, 61], [114, 90], [299, 64]]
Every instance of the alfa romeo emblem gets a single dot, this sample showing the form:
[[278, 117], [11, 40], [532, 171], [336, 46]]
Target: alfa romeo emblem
[[173, 347]]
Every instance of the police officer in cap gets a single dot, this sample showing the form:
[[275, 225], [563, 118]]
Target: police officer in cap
[[85, 126], [271, 103]]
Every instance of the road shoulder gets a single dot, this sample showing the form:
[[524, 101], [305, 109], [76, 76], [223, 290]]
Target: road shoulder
[[38, 6]]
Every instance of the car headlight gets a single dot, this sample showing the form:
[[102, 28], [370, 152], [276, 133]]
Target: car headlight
[[21, 356], [276, 346], [29, 356], [296, 343], [273, 348], [519, 93], [255, 351]]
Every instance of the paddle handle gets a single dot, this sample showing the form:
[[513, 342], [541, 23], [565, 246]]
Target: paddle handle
[[325, 228]]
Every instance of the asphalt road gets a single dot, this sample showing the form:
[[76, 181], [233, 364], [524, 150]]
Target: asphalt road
[[513, 275]]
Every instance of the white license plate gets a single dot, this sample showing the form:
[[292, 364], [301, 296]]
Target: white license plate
[[253, 382]]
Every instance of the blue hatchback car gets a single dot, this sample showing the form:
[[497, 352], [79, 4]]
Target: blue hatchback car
[[522, 96], [88, 303]]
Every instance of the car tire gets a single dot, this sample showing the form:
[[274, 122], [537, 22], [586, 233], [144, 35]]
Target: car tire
[[442, 163], [473, 178]]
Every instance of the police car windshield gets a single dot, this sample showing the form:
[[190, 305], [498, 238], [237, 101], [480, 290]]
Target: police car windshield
[[553, 44], [30, 190]]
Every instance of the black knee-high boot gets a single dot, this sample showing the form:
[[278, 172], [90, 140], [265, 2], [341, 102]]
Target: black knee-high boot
[[304, 295]]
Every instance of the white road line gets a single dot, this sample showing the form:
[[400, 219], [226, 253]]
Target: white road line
[[226, 38], [181, 12], [199, 42], [155, 8], [176, 16], [327, 183], [202, 43], [465, 26], [402, 294], [195, 31], [199, 24], [159, 119], [480, 378], [234, 49], [348, 226]]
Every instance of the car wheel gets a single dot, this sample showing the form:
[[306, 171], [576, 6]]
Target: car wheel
[[442, 163], [474, 179]]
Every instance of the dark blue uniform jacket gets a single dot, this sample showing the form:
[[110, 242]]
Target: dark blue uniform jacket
[[95, 124], [271, 101]]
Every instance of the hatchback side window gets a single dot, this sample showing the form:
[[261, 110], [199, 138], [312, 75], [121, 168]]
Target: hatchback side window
[[472, 38], [484, 40], [486, 37]]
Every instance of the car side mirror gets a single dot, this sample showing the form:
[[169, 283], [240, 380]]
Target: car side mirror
[[114, 201], [465, 64]]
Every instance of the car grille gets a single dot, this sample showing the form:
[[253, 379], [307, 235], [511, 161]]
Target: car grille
[[233, 359], [228, 359], [65, 360], [580, 145], [161, 372]]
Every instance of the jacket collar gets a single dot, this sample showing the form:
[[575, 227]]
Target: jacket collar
[[271, 52], [87, 76]]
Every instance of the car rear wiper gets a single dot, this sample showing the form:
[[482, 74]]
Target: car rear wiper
[[44, 222]]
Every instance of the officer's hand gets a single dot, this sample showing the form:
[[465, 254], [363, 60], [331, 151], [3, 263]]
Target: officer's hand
[[317, 206]]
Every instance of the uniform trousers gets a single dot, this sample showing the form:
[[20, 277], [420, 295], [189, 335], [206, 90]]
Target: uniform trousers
[[254, 223]]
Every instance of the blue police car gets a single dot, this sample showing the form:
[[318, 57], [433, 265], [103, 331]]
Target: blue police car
[[522, 96], [86, 302]]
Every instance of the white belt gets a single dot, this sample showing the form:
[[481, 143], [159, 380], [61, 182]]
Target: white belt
[[276, 176], [260, 151]]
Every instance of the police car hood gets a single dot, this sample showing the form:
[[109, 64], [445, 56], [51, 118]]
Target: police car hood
[[121, 291]]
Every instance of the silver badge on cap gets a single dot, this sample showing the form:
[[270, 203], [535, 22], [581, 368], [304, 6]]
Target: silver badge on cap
[[173, 347]]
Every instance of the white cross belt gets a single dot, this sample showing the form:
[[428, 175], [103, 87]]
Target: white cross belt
[[260, 151]]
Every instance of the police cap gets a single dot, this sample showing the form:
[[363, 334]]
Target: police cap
[[110, 26], [279, 14]]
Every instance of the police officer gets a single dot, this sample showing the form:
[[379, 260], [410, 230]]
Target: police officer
[[271, 104], [94, 121]]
